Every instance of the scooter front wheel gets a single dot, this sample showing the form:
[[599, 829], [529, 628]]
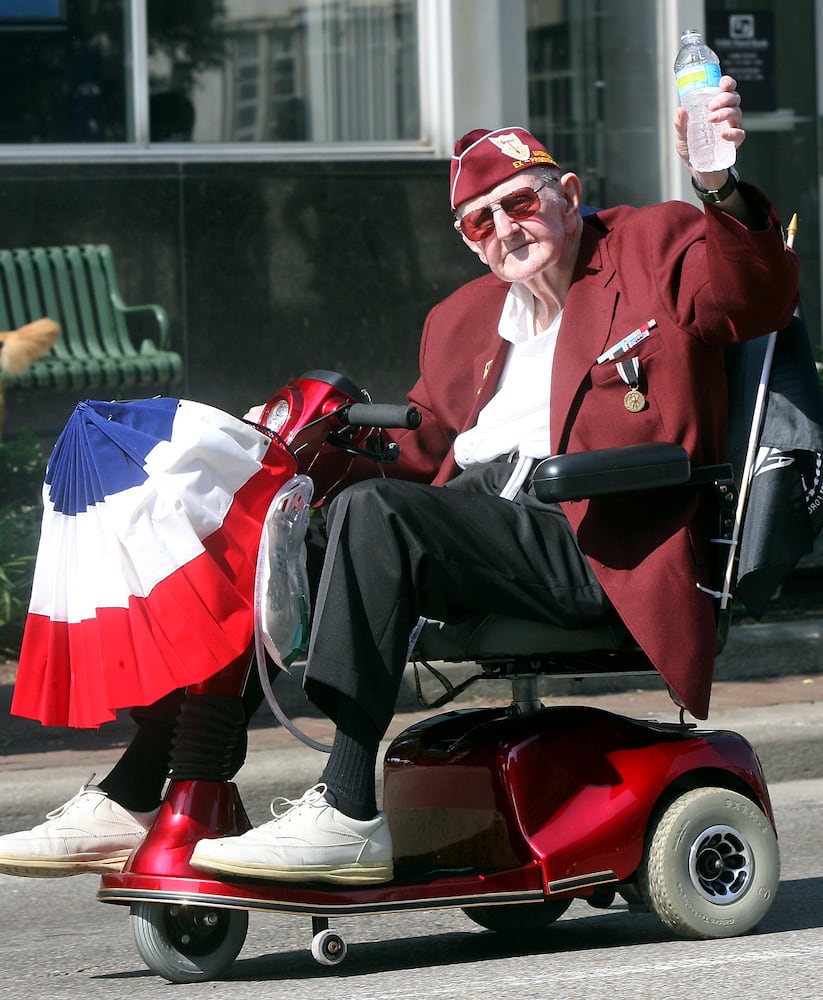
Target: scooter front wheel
[[513, 917], [186, 943], [712, 865]]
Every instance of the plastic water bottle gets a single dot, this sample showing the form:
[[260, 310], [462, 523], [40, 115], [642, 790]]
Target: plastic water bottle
[[697, 71]]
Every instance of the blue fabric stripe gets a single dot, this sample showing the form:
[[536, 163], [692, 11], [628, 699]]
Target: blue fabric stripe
[[102, 450]]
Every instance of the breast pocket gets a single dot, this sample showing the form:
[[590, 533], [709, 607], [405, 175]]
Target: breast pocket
[[627, 403]]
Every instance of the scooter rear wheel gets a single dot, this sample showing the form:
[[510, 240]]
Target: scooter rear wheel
[[509, 918], [712, 865], [188, 943]]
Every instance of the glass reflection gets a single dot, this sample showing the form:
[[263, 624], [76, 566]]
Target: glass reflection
[[284, 71]]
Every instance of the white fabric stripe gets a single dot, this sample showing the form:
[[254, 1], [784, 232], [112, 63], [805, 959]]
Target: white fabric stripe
[[126, 545]]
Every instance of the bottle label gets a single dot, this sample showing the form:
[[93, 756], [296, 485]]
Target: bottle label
[[696, 77]]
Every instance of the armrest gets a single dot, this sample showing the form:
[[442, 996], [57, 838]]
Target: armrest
[[158, 312], [610, 470]]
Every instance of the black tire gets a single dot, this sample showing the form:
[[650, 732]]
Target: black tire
[[712, 865], [508, 918], [187, 943]]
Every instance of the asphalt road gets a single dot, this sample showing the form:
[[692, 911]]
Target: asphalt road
[[57, 941]]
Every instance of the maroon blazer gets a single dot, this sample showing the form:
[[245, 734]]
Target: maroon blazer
[[707, 281]]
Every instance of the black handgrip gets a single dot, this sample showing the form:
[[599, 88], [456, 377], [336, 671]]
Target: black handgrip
[[381, 415]]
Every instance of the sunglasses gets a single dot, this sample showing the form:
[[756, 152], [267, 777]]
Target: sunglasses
[[520, 205]]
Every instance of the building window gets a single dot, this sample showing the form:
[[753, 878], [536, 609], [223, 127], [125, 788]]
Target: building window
[[62, 71], [565, 82], [593, 93], [342, 71], [216, 71]]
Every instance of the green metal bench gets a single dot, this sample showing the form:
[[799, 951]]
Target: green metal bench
[[77, 287]]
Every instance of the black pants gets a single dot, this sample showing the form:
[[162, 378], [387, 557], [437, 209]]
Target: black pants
[[399, 550], [396, 551]]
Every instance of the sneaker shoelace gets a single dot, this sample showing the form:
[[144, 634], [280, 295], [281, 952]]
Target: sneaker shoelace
[[281, 806], [60, 810]]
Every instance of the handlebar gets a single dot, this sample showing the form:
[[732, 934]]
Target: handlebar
[[381, 415]]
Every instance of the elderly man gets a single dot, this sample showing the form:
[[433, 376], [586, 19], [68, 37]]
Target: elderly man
[[587, 333], [525, 362]]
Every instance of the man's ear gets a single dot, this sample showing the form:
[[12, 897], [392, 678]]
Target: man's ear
[[571, 191]]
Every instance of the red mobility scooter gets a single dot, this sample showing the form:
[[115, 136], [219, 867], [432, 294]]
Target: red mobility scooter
[[507, 813]]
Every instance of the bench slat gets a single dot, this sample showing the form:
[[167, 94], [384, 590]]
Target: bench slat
[[77, 368], [15, 314], [83, 341]]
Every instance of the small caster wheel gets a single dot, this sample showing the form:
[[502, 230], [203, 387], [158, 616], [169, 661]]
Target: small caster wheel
[[328, 947]]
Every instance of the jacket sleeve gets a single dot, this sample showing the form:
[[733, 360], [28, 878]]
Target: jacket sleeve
[[724, 282], [422, 451]]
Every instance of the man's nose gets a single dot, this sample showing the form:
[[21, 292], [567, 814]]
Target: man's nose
[[504, 225]]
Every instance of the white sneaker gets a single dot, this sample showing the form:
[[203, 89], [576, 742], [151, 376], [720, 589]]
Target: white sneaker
[[310, 841], [89, 833]]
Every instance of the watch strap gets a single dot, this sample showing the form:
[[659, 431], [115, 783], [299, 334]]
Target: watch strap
[[721, 193]]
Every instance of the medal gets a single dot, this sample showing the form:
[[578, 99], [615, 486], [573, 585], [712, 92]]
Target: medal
[[634, 400]]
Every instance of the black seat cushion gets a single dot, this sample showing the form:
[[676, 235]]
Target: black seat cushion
[[496, 637]]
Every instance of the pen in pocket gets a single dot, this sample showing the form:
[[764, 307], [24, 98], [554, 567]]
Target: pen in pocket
[[628, 342]]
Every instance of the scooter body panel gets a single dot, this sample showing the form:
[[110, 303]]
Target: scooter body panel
[[571, 788], [483, 807]]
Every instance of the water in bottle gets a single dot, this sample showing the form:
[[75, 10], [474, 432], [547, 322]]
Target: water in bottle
[[697, 71]]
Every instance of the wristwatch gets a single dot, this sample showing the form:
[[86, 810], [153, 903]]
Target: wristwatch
[[714, 197]]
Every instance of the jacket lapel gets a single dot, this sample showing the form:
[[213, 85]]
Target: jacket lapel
[[488, 367], [584, 331]]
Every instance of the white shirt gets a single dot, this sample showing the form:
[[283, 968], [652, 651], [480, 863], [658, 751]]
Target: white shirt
[[517, 416]]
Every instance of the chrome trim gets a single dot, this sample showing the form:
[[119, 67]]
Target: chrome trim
[[124, 896], [582, 881]]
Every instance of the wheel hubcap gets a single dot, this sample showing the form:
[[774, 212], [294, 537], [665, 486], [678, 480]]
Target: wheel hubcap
[[193, 929], [721, 864]]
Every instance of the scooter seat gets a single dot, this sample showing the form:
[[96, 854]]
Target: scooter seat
[[499, 637]]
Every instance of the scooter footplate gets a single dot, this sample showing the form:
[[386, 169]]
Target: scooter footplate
[[516, 886]]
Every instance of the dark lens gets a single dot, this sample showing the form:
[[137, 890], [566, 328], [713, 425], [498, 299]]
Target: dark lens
[[521, 204], [477, 224]]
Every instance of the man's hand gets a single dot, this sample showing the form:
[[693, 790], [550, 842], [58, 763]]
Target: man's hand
[[725, 107]]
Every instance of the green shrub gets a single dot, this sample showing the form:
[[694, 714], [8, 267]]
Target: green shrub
[[22, 468]]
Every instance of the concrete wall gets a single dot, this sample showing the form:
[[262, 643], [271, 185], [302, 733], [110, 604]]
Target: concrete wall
[[265, 269]]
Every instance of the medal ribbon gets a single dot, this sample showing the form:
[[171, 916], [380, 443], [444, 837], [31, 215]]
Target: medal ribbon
[[629, 371]]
